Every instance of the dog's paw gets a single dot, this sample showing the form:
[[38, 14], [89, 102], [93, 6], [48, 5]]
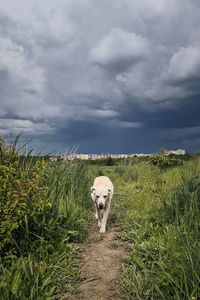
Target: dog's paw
[[99, 224], [102, 230]]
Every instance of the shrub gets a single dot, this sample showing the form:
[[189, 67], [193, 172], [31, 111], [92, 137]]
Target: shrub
[[21, 193], [163, 161], [109, 161]]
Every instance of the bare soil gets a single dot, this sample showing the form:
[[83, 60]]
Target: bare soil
[[100, 263]]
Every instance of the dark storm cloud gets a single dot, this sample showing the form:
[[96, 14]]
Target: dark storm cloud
[[130, 69]]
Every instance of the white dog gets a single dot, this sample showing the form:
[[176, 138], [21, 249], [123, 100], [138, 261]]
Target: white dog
[[101, 193]]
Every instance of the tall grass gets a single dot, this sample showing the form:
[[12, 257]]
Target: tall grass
[[159, 213], [43, 262]]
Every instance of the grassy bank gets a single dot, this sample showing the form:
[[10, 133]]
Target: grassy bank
[[159, 213], [48, 214]]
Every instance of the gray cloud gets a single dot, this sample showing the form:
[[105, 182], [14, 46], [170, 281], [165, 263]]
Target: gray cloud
[[127, 66], [17, 126], [119, 50]]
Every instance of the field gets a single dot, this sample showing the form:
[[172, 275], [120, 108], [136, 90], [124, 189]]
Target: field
[[158, 211], [45, 215]]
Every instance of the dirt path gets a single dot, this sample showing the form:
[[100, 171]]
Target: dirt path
[[100, 263]]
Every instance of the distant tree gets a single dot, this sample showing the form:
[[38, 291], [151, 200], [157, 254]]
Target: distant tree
[[162, 151], [109, 161]]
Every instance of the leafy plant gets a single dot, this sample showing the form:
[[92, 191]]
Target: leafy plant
[[21, 194], [163, 161]]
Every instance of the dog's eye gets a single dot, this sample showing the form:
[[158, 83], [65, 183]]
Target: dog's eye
[[105, 196], [97, 196]]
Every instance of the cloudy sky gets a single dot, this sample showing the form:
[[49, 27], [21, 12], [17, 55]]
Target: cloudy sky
[[117, 76]]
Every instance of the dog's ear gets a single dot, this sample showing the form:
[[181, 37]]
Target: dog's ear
[[92, 189]]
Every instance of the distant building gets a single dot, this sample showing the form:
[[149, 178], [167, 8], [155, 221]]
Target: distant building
[[167, 152], [177, 152], [53, 158], [94, 156]]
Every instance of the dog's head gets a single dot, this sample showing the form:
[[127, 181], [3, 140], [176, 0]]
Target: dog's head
[[100, 196]]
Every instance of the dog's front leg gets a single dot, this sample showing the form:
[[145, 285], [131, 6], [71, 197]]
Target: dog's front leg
[[99, 218], [96, 213], [104, 220]]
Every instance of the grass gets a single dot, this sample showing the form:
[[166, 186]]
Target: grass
[[43, 263], [159, 213]]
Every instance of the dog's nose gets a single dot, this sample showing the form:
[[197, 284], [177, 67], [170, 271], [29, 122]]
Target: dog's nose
[[100, 205]]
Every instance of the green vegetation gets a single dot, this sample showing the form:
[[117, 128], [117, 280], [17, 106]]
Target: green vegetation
[[159, 213], [22, 193], [164, 161], [44, 210], [160, 160], [158, 209]]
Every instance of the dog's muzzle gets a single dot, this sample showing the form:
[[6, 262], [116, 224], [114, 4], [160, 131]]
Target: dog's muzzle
[[101, 205]]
